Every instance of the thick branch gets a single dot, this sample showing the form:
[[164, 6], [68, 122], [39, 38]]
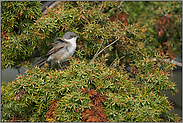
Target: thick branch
[[52, 6], [168, 60]]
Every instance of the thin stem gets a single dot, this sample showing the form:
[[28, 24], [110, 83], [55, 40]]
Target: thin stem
[[127, 28], [99, 47], [120, 4], [100, 7], [171, 61], [106, 47], [117, 61]]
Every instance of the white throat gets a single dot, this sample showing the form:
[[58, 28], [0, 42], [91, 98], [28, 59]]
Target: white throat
[[72, 40], [73, 44]]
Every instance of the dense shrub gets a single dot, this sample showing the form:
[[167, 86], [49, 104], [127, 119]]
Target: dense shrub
[[17, 18], [83, 86], [111, 77], [161, 21], [90, 20]]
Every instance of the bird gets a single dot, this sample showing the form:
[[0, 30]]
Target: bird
[[63, 49]]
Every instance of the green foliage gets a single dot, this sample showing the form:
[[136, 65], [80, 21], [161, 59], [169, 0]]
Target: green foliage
[[90, 20], [57, 96], [16, 25], [129, 99], [147, 15], [16, 15]]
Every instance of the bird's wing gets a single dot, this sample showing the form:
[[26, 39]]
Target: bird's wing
[[59, 41], [56, 48]]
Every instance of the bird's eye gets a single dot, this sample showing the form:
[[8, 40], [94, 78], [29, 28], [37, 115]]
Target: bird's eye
[[72, 36]]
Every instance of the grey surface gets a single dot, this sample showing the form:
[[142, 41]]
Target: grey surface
[[177, 98], [8, 75], [46, 4]]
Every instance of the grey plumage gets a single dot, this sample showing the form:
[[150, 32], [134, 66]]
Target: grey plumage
[[63, 48]]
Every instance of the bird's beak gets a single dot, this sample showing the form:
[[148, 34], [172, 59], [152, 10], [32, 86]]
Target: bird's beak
[[77, 36]]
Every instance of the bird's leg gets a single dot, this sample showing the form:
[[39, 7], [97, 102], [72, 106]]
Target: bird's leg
[[65, 65], [60, 65]]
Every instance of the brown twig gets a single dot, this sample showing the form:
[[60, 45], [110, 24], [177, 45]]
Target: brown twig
[[168, 60], [100, 7], [105, 48], [117, 61], [99, 47], [127, 29], [52, 6]]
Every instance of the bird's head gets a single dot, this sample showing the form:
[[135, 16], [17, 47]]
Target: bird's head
[[70, 37]]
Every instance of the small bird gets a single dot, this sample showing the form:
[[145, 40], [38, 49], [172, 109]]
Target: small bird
[[64, 48]]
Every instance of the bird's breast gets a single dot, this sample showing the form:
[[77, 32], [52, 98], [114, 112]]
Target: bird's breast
[[63, 54], [72, 49]]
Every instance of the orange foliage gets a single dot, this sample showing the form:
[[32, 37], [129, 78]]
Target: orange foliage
[[3, 34], [19, 94], [122, 16], [96, 113], [163, 21], [14, 119], [161, 28], [51, 110]]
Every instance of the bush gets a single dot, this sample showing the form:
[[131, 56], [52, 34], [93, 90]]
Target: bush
[[16, 16], [73, 94], [17, 21], [161, 21], [112, 76], [94, 26]]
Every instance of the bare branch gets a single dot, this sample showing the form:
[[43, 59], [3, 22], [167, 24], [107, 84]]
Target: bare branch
[[52, 6], [127, 29], [168, 60], [106, 47], [97, 53], [99, 47], [120, 5], [117, 61], [166, 14], [100, 7]]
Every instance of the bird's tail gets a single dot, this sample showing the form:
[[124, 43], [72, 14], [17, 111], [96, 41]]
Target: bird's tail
[[40, 63]]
